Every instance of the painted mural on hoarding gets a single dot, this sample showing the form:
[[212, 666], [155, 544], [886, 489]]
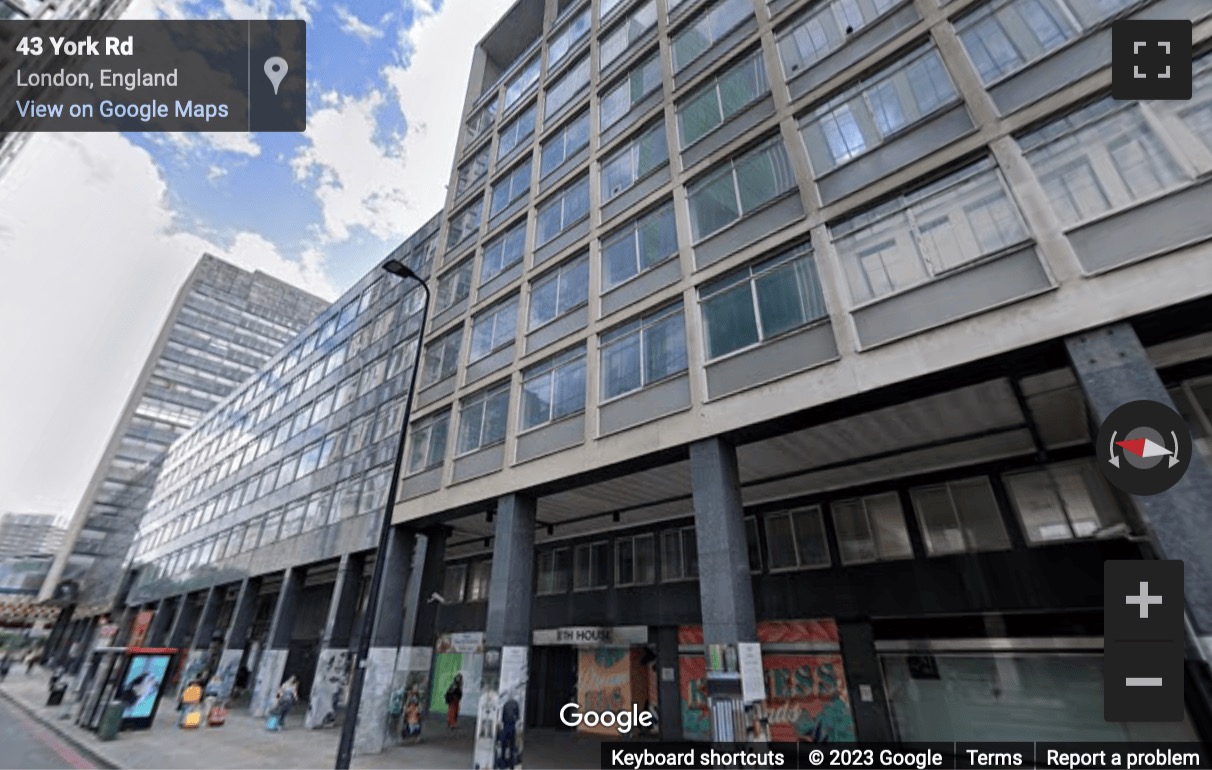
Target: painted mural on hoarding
[[613, 679], [806, 695]]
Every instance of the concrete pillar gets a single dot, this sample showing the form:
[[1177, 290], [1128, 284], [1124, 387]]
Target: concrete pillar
[[669, 691], [184, 637], [272, 670], [59, 630], [157, 632], [1113, 369], [865, 682], [508, 632], [126, 624], [725, 584], [237, 633], [385, 630], [420, 614], [186, 618], [333, 664]]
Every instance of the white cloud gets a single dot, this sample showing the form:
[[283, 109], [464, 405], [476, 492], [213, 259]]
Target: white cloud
[[442, 45], [358, 181], [93, 256], [352, 25]]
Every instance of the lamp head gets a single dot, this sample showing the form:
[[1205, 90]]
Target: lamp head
[[396, 267]]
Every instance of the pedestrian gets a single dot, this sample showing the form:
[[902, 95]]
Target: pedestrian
[[511, 713], [284, 701], [5, 663], [412, 714], [454, 694]]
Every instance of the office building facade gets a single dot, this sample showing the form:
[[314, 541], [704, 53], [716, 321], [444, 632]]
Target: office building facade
[[225, 322], [789, 323], [28, 534], [810, 312], [277, 498]]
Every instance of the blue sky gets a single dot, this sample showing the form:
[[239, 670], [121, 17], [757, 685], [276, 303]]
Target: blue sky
[[99, 231], [224, 193]]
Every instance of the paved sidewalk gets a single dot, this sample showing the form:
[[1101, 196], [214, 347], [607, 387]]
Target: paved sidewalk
[[244, 743]]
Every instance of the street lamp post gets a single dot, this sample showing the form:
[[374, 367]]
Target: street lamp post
[[345, 748]]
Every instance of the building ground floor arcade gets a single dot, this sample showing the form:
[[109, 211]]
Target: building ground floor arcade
[[917, 563]]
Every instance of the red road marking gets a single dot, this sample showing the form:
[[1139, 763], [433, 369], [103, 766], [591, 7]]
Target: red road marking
[[67, 753]]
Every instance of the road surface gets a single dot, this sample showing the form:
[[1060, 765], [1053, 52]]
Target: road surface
[[28, 744]]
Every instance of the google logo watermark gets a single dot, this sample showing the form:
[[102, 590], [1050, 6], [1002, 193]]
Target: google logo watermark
[[623, 721]]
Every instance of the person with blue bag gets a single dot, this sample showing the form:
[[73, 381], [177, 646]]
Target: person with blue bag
[[287, 697]]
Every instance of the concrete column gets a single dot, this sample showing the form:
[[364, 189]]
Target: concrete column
[[865, 682], [420, 614], [237, 633], [1112, 369], [385, 631], [208, 619], [59, 630], [669, 692], [333, 664], [126, 624], [511, 589], [157, 632], [725, 584], [272, 670], [183, 623], [185, 636], [508, 632]]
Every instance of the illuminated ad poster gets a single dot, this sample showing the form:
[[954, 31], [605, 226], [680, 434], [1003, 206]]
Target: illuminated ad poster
[[142, 683], [806, 695]]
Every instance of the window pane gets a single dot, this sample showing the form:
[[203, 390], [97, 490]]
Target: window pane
[[713, 205], [940, 527], [665, 349], [780, 541], [1038, 507], [979, 513], [789, 297], [671, 556], [888, 522], [569, 389], [729, 321], [811, 545], [543, 298], [645, 559], [621, 371], [854, 536], [761, 176], [626, 562], [536, 401], [699, 115], [471, 426]]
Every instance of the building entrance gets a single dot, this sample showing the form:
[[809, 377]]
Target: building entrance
[[553, 683]]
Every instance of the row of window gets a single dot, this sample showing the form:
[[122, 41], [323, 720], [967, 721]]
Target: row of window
[[745, 308], [224, 427], [1104, 157], [1000, 38], [1057, 502], [259, 440], [354, 497], [370, 430]]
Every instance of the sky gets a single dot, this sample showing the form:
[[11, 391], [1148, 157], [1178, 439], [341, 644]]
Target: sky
[[99, 231]]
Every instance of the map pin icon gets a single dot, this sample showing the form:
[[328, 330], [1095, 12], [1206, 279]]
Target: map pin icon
[[275, 70]]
